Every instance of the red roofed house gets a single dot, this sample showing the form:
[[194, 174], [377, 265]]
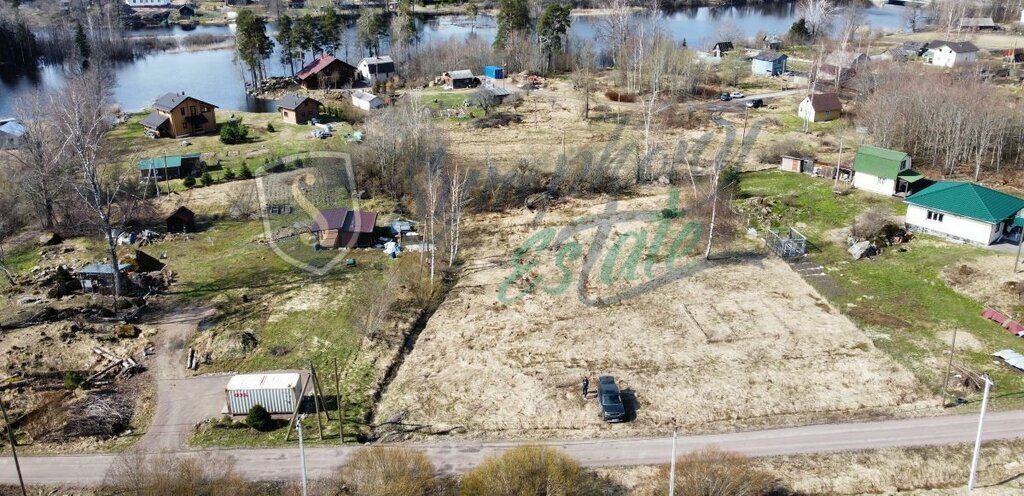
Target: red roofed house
[[329, 71], [343, 228]]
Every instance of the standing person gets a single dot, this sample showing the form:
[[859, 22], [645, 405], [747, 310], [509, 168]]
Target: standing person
[[585, 386]]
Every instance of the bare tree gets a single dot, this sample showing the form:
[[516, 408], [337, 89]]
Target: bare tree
[[458, 197], [39, 167], [818, 15], [81, 115], [583, 77]]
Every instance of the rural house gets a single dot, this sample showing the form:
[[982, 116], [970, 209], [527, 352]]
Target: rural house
[[181, 221], [906, 51], [842, 65], [768, 63], [366, 101], [343, 228], [459, 79], [177, 115], [965, 212], [721, 48], [771, 42], [147, 3], [326, 71], [169, 167], [298, 109], [883, 171], [978, 24], [374, 69], [11, 133], [951, 53], [820, 108]]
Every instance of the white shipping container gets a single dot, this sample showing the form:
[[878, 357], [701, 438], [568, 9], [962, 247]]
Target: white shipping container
[[278, 393]]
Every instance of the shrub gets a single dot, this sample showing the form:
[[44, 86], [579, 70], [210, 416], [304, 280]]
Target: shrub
[[270, 127], [380, 471], [246, 172], [617, 96], [729, 177], [875, 224], [229, 174], [73, 380], [773, 153], [189, 181], [206, 179], [530, 470], [259, 418], [712, 472], [233, 132]]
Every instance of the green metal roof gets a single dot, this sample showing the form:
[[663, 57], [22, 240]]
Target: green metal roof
[[911, 176], [878, 161], [165, 162], [968, 200]]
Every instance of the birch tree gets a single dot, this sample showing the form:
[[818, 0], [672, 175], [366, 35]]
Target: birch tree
[[38, 166]]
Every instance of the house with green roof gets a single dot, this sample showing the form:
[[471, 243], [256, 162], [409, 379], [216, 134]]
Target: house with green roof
[[883, 171], [169, 167], [965, 212]]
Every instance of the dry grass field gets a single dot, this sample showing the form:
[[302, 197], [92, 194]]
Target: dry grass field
[[735, 343]]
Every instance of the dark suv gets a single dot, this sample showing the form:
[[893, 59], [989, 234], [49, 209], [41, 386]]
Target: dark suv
[[611, 403]]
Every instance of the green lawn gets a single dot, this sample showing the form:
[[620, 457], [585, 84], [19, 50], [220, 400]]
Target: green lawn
[[897, 297]]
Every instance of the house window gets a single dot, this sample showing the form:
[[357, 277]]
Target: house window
[[205, 109], [192, 110], [881, 180], [182, 110], [936, 216]]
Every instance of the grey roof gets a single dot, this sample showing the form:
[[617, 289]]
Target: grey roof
[[497, 91], [956, 46], [11, 127], [170, 101], [154, 120], [102, 268], [292, 101], [378, 65], [845, 59], [1012, 358], [977, 22], [463, 74], [768, 56], [365, 96]]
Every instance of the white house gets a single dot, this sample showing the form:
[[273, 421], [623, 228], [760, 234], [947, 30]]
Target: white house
[[951, 53], [366, 101], [148, 3], [965, 212], [820, 108], [886, 172], [373, 69]]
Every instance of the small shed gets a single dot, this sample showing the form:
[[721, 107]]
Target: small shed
[[460, 79], [298, 109], [804, 165], [721, 49], [169, 166], [344, 228], [978, 24], [494, 72], [277, 393], [11, 134], [99, 277], [366, 100], [768, 63], [186, 11], [498, 94], [181, 221]]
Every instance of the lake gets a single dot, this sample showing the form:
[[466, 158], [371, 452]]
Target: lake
[[213, 76]]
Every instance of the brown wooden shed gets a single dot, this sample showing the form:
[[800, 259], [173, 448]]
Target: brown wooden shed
[[182, 220]]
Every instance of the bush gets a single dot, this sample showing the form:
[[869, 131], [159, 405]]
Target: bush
[[73, 380], [616, 96], [189, 181], [246, 172], [233, 132], [380, 471], [773, 153], [270, 127], [530, 470], [712, 472], [206, 179], [259, 418], [875, 224], [229, 174], [729, 178]]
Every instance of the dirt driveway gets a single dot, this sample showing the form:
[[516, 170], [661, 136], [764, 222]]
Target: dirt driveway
[[181, 401]]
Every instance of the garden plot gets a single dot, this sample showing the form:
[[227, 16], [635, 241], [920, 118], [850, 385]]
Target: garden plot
[[738, 342]]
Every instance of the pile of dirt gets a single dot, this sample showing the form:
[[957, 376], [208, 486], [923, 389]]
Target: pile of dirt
[[989, 280]]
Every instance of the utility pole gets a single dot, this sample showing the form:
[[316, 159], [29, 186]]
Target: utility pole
[[302, 456], [672, 470], [977, 441], [14, 450], [949, 368], [746, 113], [839, 165]]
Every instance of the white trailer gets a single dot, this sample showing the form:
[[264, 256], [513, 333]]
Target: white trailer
[[278, 393]]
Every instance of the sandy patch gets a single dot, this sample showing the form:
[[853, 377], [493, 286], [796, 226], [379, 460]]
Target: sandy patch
[[741, 342], [989, 280]]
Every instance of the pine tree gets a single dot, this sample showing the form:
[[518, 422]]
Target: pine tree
[[513, 17], [82, 42]]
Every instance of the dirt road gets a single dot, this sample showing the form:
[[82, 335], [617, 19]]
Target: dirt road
[[181, 401], [460, 456]]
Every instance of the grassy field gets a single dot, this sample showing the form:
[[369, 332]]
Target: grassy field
[[900, 296]]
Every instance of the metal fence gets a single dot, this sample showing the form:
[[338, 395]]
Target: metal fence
[[788, 245]]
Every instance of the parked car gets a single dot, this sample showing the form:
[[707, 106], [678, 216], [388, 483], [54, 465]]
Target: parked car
[[755, 103], [612, 409], [725, 97], [737, 94]]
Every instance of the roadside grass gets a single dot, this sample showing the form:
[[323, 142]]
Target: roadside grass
[[898, 297], [786, 114]]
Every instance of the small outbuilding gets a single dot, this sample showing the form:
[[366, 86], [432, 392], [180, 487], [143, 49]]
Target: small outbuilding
[[978, 24], [298, 109], [771, 42], [182, 220], [276, 393], [186, 11], [768, 63], [721, 49], [99, 277], [12, 133], [460, 79], [366, 100], [803, 165], [822, 107], [169, 167], [883, 171], [965, 212], [327, 72], [344, 228], [951, 53], [494, 72], [375, 69]]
